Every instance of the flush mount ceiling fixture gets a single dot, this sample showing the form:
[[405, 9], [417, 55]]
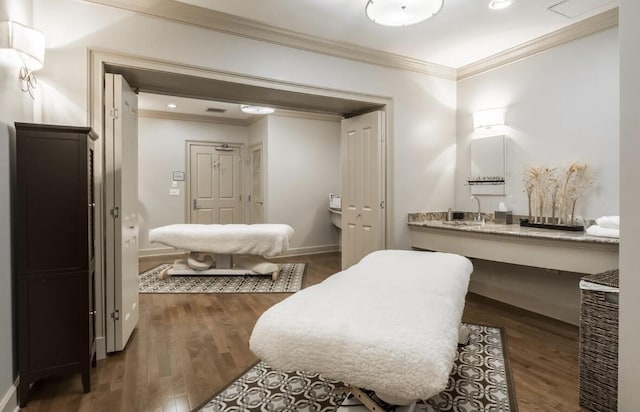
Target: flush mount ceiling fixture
[[400, 13], [500, 4], [247, 108]]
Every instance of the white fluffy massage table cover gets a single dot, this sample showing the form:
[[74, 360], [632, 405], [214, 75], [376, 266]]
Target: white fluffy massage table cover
[[388, 324], [258, 239]]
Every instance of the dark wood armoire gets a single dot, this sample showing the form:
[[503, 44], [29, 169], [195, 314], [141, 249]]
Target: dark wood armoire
[[54, 252]]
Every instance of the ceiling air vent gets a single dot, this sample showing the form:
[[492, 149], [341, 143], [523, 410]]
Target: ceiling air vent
[[215, 110], [574, 8]]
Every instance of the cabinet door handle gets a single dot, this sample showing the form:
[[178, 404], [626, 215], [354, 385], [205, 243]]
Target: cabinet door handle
[[93, 313]]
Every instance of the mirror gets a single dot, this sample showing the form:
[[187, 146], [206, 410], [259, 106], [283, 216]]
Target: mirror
[[488, 160]]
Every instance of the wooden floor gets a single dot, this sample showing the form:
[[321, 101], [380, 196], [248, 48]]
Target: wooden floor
[[188, 347]]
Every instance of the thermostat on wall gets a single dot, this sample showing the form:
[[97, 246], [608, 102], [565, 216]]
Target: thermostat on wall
[[178, 176]]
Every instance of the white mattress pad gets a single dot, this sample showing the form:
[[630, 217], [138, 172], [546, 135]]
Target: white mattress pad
[[258, 239], [388, 324]]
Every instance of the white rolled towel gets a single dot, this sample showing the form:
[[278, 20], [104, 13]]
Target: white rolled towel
[[610, 222], [596, 230]]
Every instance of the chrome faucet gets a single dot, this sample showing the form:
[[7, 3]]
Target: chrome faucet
[[478, 216]]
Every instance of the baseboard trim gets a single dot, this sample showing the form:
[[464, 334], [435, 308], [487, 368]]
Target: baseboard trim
[[9, 402], [552, 309], [298, 251], [101, 347]]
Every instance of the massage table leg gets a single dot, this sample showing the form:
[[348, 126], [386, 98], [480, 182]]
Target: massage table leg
[[359, 401], [200, 264]]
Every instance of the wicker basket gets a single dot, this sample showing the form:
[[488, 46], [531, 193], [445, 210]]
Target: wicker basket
[[599, 344]]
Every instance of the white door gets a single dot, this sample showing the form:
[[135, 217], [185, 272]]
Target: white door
[[121, 183], [363, 186], [256, 199], [214, 184]]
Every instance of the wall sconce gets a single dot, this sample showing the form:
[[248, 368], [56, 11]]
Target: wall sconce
[[28, 45], [489, 117]]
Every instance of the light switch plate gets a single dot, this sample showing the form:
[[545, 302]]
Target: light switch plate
[[174, 192]]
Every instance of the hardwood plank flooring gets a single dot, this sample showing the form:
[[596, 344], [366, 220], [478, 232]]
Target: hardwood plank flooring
[[188, 347]]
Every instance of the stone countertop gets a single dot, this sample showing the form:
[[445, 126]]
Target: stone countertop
[[509, 230]]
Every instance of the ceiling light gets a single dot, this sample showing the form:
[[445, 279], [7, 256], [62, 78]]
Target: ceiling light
[[500, 4], [398, 13], [172, 105], [29, 45], [247, 108]]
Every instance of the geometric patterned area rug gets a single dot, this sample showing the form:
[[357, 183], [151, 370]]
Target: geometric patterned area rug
[[289, 281], [480, 380]]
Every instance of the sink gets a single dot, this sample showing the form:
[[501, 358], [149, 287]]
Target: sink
[[462, 223], [336, 217]]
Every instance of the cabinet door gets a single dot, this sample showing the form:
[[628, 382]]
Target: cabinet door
[[52, 202], [55, 328]]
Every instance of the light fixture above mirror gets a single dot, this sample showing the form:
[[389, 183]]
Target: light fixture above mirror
[[247, 108], [400, 13], [489, 117]]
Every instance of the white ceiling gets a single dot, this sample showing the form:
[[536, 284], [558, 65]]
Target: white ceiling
[[158, 102], [463, 32]]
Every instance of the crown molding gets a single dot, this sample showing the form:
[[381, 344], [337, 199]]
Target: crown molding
[[243, 27], [159, 114], [575, 31], [239, 26]]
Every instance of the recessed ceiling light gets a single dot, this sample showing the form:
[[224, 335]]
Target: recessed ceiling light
[[399, 13], [172, 105], [500, 4], [247, 108]]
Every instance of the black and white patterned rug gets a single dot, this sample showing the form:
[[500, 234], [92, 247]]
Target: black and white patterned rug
[[480, 381], [289, 281]]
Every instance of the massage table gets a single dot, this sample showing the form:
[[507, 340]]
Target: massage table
[[389, 324], [212, 248]]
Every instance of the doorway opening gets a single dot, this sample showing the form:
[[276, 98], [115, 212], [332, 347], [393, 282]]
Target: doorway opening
[[178, 80]]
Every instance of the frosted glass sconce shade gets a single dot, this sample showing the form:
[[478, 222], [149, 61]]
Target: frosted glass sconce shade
[[489, 118], [27, 42]]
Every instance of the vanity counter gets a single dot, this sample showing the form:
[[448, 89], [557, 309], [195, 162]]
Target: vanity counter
[[545, 248], [517, 230]]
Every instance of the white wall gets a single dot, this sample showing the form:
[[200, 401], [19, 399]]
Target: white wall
[[301, 158], [258, 133], [15, 106], [629, 357], [161, 151], [422, 125], [562, 106], [303, 168]]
